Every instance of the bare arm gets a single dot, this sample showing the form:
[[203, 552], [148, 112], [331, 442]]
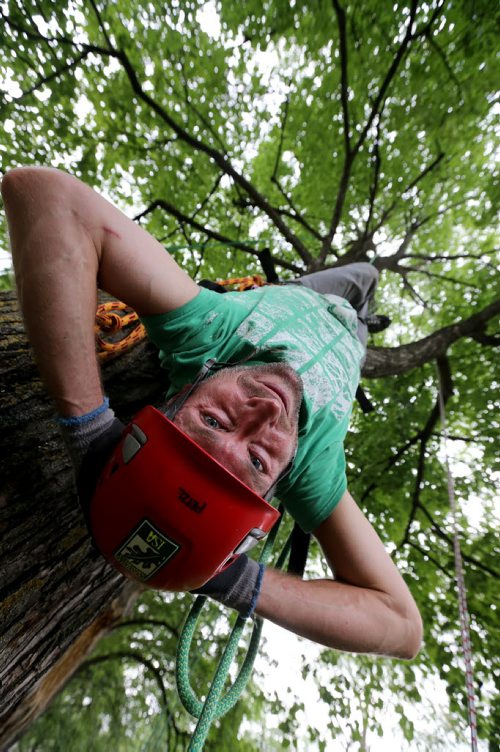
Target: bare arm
[[66, 240], [366, 609]]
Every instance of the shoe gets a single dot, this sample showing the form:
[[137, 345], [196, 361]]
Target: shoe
[[377, 323]]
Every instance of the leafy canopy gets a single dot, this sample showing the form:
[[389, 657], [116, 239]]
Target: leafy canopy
[[329, 132]]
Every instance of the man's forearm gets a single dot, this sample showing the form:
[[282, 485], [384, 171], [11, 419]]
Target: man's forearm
[[56, 265], [66, 240], [338, 615]]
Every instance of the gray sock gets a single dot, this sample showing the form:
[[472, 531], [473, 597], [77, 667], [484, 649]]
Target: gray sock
[[238, 586], [80, 431]]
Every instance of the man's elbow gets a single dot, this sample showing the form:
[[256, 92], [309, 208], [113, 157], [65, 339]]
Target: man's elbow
[[22, 182], [413, 635], [16, 178]]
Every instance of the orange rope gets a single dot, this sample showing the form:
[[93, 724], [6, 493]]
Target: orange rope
[[243, 283], [106, 321]]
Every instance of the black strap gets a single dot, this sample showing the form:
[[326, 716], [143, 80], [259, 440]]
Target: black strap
[[211, 285], [299, 551], [267, 263], [363, 401]]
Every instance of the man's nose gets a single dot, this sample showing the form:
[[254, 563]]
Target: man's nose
[[261, 411], [231, 454]]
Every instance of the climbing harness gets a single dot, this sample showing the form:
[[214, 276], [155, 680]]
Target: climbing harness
[[459, 574]]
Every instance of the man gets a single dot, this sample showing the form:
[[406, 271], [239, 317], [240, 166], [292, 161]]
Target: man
[[253, 416]]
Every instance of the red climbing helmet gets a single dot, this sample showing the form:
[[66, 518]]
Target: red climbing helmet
[[168, 514]]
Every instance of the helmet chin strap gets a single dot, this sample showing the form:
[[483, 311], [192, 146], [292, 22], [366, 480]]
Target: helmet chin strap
[[180, 399]]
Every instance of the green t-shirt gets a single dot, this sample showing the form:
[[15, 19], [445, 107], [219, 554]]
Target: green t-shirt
[[313, 333]]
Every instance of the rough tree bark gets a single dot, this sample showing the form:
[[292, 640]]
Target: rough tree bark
[[57, 596]]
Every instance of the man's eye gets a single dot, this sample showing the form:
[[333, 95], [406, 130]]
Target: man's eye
[[257, 463], [211, 421]]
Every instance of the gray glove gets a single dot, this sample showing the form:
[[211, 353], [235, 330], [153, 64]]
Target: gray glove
[[238, 586]]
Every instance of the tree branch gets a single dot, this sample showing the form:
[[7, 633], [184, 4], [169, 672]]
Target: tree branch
[[101, 24], [208, 196], [147, 623], [46, 79], [37, 37], [376, 110], [284, 119], [446, 570], [387, 212], [450, 257], [444, 277], [449, 539], [476, 440], [196, 144], [390, 462], [213, 234], [296, 216], [446, 390], [128, 656], [414, 294], [344, 84], [391, 72], [326, 247], [394, 361], [428, 36], [199, 115], [217, 157], [149, 665], [377, 162]]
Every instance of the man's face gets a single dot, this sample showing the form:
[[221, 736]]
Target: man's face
[[246, 417]]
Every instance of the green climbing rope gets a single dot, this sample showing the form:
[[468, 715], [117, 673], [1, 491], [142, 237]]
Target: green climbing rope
[[192, 704], [217, 704]]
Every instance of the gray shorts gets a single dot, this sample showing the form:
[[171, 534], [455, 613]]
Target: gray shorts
[[354, 282]]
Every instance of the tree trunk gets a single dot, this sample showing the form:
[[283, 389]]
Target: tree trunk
[[57, 596]]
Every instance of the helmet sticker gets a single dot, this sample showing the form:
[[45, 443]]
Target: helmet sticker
[[145, 551]]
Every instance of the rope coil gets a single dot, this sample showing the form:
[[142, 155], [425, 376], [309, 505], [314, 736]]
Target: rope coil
[[107, 320]]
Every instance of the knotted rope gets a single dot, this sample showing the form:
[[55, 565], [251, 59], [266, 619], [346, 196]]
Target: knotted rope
[[108, 321]]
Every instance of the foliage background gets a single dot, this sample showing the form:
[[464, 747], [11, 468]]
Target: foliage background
[[327, 133]]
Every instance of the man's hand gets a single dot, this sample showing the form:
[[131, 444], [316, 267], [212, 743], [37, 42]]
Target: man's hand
[[93, 462], [238, 586]]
